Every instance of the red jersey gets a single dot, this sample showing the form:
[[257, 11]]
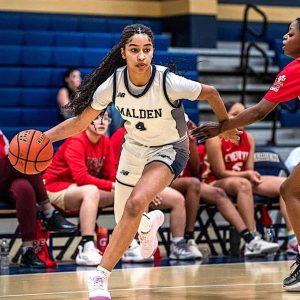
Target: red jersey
[[287, 84], [3, 145], [116, 143], [80, 161], [235, 156]]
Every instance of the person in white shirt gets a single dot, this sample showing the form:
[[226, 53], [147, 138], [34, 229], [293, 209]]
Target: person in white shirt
[[155, 150]]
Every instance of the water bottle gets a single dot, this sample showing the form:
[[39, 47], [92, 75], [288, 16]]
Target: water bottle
[[4, 256], [102, 239], [205, 250]]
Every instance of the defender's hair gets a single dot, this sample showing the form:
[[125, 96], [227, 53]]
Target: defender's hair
[[229, 104], [113, 60]]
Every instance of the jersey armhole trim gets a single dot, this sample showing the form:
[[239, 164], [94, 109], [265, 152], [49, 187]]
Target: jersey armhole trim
[[165, 90]]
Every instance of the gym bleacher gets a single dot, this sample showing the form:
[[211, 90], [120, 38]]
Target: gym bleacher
[[36, 49]]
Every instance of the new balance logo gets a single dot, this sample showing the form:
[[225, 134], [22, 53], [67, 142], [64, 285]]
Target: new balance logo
[[122, 95], [125, 173]]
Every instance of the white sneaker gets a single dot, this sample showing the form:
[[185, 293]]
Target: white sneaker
[[88, 255], [133, 254], [258, 247], [148, 241], [98, 286], [180, 251], [193, 247]]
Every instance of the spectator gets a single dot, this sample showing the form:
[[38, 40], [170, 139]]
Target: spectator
[[233, 170], [81, 177], [197, 168], [169, 198], [26, 192], [72, 80]]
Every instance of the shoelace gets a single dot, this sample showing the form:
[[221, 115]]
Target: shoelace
[[182, 246], [143, 238], [295, 267]]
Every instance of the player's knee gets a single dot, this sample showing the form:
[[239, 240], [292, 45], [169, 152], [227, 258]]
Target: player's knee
[[134, 206], [243, 185], [220, 196], [195, 185], [22, 186], [178, 201], [287, 191], [91, 192]]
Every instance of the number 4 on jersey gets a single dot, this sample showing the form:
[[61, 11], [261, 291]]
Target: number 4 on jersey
[[140, 126]]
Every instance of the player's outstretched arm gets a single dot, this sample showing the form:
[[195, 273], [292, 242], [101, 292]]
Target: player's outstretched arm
[[73, 125], [248, 116]]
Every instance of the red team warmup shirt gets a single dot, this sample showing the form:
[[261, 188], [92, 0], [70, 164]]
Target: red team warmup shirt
[[235, 157], [287, 84], [82, 162], [116, 142]]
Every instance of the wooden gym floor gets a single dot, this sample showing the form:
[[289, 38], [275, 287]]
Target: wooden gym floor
[[249, 280]]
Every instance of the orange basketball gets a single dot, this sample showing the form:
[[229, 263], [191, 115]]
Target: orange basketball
[[30, 151]]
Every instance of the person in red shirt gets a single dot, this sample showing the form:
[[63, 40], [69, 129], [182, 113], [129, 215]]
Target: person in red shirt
[[285, 88], [26, 192], [231, 163], [198, 166], [169, 198], [81, 177]]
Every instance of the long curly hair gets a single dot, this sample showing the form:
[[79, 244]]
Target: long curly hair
[[298, 22], [112, 61]]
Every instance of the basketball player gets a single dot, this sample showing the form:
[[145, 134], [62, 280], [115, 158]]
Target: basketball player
[[155, 150], [285, 88]]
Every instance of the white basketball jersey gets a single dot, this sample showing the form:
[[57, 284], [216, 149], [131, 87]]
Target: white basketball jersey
[[151, 118]]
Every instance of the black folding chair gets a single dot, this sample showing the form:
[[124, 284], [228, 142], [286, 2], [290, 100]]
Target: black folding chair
[[268, 162]]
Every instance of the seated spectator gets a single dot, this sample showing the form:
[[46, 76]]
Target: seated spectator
[[209, 194], [232, 169], [72, 80], [28, 193], [167, 199], [293, 159], [81, 177]]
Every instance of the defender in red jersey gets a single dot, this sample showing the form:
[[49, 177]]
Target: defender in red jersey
[[285, 88]]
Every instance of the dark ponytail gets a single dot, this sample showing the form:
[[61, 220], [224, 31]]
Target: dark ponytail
[[113, 60], [298, 21]]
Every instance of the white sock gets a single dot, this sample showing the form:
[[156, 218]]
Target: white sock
[[48, 212], [145, 224]]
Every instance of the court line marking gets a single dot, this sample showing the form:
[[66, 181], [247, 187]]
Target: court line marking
[[150, 268], [151, 288]]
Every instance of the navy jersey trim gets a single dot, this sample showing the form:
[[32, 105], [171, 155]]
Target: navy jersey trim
[[163, 162], [114, 87], [147, 86], [165, 90], [124, 183]]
